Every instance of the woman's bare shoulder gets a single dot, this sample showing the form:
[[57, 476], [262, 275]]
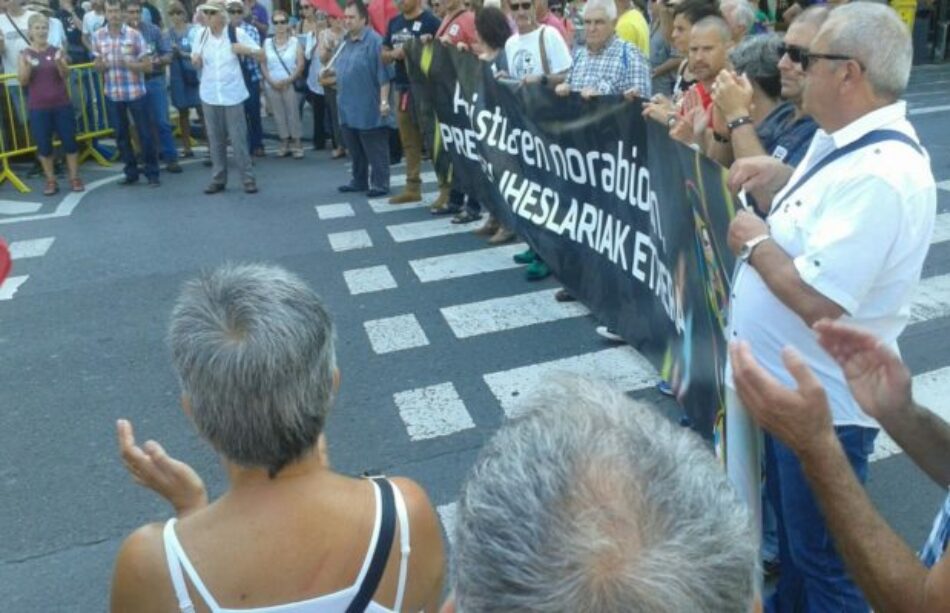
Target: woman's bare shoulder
[[140, 581]]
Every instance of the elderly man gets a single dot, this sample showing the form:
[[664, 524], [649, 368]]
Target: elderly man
[[156, 88], [591, 501], [842, 238], [883, 566], [606, 65], [413, 22], [787, 130], [740, 15], [122, 55], [217, 53]]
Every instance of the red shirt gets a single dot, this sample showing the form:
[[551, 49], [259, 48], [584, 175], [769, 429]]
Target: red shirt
[[47, 89], [460, 28]]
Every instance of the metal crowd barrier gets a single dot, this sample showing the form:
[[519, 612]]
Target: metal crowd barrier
[[85, 89]]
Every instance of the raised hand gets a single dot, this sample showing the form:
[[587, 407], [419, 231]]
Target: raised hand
[[880, 382], [151, 467]]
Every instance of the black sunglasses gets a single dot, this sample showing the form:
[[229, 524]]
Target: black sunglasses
[[794, 52], [524, 6], [279, 22], [210, 12], [809, 58]]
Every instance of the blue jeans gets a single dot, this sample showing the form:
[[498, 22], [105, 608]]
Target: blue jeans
[[813, 577], [119, 112], [156, 94], [252, 111]]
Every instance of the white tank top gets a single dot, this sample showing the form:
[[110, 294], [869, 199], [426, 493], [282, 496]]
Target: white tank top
[[281, 60], [336, 602]]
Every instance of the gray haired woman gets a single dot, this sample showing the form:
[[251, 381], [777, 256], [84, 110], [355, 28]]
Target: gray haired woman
[[254, 350]]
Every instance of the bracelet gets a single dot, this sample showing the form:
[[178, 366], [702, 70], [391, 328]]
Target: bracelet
[[741, 121], [719, 138]]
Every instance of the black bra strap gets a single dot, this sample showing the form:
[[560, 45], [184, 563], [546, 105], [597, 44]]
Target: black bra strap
[[377, 565]]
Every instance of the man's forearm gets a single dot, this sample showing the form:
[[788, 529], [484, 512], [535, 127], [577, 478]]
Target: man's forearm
[[778, 271], [925, 437], [746, 143], [886, 570]]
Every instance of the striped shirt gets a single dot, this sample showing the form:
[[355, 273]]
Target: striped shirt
[[121, 84], [936, 545], [616, 68]]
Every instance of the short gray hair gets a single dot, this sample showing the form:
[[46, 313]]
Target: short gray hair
[[609, 6], [254, 350], [738, 12], [874, 35], [714, 22], [590, 501], [758, 57], [815, 15]]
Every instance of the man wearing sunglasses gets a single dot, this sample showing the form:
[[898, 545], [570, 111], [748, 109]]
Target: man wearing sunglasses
[[847, 235]]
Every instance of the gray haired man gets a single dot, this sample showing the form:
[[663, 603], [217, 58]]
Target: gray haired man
[[593, 502]]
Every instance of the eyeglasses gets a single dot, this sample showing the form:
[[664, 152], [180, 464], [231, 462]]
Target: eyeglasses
[[523, 6], [235, 11], [279, 22], [808, 58], [209, 12], [794, 52]]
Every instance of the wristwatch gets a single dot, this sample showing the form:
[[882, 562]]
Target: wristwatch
[[544, 80], [746, 251]]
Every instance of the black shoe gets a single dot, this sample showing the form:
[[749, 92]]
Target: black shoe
[[376, 192], [250, 187], [154, 182], [173, 167], [214, 188], [349, 187], [127, 180]]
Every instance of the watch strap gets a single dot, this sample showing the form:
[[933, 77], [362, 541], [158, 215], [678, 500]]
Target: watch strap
[[741, 121]]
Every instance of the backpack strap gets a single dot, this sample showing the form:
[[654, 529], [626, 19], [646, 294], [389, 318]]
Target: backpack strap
[[387, 532]]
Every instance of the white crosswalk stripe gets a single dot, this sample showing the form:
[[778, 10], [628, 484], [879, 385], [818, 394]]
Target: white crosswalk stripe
[[381, 205], [347, 241], [395, 333], [334, 211], [431, 228], [509, 312], [455, 265], [371, 279], [433, 411], [33, 248], [11, 285]]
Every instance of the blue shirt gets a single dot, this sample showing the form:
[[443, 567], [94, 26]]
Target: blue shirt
[[157, 45], [360, 73], [784, 137]]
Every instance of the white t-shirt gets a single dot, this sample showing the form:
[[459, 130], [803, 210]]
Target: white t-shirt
[[57, 33], [858, 232], [523, 52], [13, 43], [91, 22]]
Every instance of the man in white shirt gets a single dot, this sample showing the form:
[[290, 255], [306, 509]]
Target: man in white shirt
[[532, 58], [13, 26], [94, 19], [847, 234], [223, 93]]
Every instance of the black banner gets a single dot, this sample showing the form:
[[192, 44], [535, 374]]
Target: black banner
[[630, 221]]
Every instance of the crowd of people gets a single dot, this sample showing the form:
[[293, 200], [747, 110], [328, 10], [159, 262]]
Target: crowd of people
[[588, 501]]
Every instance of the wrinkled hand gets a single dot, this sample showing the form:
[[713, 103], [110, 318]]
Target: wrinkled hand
[[799, 418], [762, 176], [151, 467], [589, 92], [659, 108], [732, 94], [682, 130], [880, 382], [631, 94], [562, 89], [744, 227]]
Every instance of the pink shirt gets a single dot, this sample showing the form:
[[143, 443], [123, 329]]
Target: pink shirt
[[551, 20], [460, 28]]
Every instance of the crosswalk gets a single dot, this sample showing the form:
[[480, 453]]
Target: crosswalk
[[441, 410], [23, 250]]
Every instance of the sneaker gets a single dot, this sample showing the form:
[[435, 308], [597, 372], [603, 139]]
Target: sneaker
[[349, 187], [665, 388], [214, 188], [525, 257], [173, 167], [376, 192], [610, 335], [537, 270], [250, 187]]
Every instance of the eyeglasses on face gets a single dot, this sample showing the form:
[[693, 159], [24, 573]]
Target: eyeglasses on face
[[279, 22], [808, 58], [521, 6], [235, 11], [794, 52], [209, 12]]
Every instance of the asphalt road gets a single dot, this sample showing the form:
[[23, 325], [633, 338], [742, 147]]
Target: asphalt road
[[429, 361]]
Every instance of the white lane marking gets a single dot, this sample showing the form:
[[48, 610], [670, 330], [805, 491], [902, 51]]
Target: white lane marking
[[622, 367], [381, 205], [433, 411], [448, 513], [34, 248], [931, 300], [11, 285], [395, 333], [926, 110], [366, 280], [400, 180], [334, 211], [18, 207], [931, 390], [418, 230], [454, 265], [942, 225], [498, 314], [347, 241]]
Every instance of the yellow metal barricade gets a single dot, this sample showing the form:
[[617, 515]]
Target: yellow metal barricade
[[85, 88]]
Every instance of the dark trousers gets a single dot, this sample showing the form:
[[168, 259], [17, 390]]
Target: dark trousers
[[252, 112], [369, 149], [119, 112], [318, 105]]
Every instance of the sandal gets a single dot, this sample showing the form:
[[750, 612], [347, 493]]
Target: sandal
[[51, 187], [339, 153], [76, 184], [466, 216], [298, 154]]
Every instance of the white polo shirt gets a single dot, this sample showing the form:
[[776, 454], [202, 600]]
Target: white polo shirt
[[858, 232], [222, 83]]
